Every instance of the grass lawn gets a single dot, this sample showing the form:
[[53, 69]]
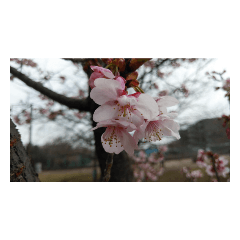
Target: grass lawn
[[74, 175], [172, 173]]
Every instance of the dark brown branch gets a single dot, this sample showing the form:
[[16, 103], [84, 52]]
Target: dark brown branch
[[109, 164], [78, 60], [214, 167], [80, 104]]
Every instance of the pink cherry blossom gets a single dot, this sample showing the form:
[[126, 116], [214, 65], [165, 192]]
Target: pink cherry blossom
[[164, 102], [221, 168], [148, 167], [154, 158], [185, 170], [106, 90], [99, 72], [116, 137], [141, 157], [153, 130], [116, 104], [162, 125], [196, 174], [201, 158], [163, 148], [193, 175]]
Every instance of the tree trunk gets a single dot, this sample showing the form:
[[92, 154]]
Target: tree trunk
[[121, 169], [21, 169]]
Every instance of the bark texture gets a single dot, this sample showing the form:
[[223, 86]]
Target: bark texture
[[21, 169]]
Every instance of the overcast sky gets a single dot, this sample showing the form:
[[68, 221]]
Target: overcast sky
[[20, 92]]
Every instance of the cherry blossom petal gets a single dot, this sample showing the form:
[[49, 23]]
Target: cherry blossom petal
[[130, 126], [104, 71], [93, 77], [128, 142], [115, 148], [147, 106], [109, 75], [162, 110], [105, 90], [171, 124], [168, 132], [167, 101], [122, 81], [140, 132], [105, 112]]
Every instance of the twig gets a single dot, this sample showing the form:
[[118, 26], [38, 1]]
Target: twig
[[80, 104], [109, 163], [214, 167], [78, 60]]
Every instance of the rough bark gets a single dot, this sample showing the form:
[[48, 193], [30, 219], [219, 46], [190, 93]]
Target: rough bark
[[21, 169]]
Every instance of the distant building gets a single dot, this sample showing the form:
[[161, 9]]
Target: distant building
[[70, 160], [207, 134]]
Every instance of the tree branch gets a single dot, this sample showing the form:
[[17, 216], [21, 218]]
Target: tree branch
[[109, 164], [80, 104], [78, 60], [214, 167]]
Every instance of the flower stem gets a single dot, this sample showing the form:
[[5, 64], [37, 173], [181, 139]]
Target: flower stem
[[109, 163]]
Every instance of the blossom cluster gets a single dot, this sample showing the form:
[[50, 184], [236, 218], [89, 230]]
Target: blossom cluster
[[122, 113], [24, 61], [148, 168], [192, 175], [219, 161]]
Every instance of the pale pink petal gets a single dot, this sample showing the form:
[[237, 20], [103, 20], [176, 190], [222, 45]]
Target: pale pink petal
[[128, 125], [115, 148], [168, 132], [93, 77], [147, 106], [128, 142], [171, 124], [122, 81], [140, 132], [109, 75], [103, 124], [104, 71], [162, 110], [135, 117], [167, 101], [105, 90], [225, 172], [105, 112]]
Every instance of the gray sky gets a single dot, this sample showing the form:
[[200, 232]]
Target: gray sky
[[215, 103]]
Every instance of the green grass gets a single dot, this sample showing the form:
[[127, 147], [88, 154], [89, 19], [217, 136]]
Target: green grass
[[172, 173], [70, 176], [67, 177]]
